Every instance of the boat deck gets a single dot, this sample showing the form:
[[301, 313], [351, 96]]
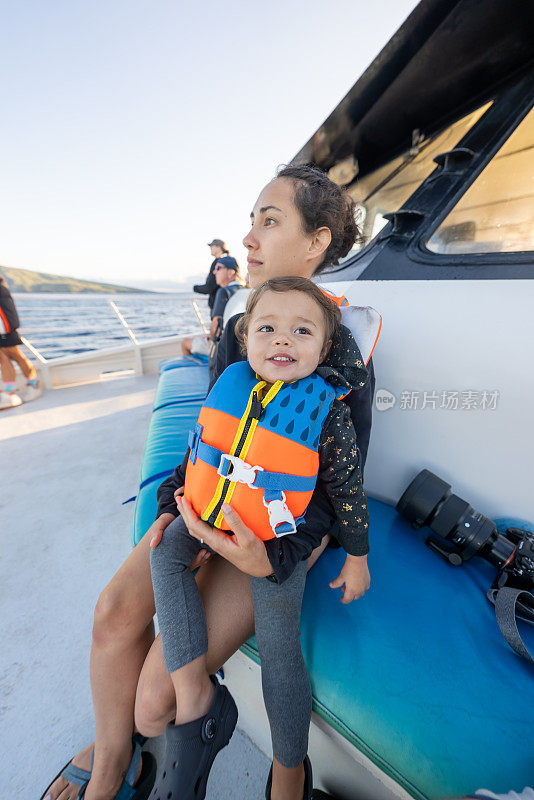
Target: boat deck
[[69, 460]]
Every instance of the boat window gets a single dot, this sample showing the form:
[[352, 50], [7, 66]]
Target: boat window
[[388, 187], [496, 214]]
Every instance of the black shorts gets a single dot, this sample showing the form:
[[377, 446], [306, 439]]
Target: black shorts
[[11, 339]]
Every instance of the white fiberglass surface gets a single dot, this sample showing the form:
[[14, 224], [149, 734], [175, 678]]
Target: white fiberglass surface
[[454, 389]]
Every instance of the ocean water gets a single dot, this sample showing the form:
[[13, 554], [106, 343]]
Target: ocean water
[[62, 324]]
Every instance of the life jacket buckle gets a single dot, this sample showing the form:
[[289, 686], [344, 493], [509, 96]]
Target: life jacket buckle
[[235, 469], [281, 519]]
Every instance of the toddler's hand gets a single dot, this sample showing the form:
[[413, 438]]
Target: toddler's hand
[[354, 576]]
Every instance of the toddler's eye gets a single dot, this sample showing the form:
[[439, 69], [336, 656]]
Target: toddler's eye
[[302, 330], [266, 329]]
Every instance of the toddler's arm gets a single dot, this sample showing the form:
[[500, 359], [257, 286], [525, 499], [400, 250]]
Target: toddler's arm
[[340, 471], [166, 491], [354, 577]]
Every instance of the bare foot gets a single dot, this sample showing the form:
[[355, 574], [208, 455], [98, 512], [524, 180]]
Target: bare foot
[[62, 789]]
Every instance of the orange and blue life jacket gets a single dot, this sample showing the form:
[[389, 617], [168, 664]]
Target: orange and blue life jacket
[[257, 450]]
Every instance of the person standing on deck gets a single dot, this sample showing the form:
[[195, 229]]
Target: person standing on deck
[[9, 352], [218, 250], [227, 280]]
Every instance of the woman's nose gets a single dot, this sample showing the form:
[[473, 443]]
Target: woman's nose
[[250, 240]]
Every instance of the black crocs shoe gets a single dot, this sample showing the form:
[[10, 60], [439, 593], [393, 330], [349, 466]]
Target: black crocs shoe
[[190, 749], [308, 781]]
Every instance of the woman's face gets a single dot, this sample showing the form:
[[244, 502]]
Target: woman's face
[[277, 244]]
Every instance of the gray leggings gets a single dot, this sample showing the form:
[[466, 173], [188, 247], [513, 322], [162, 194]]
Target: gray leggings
[[285, 682]]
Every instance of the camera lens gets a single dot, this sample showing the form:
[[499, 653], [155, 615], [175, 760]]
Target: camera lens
[[422, 498]]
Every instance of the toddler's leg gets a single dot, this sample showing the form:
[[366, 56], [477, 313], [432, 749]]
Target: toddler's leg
[[286, 686], [178, 603], [206, 714]]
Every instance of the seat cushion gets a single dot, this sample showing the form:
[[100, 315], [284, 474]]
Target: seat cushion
[[177, 401], [189, 380], [416, 674], [181, 361]]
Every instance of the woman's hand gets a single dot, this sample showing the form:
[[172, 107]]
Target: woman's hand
[[244, 549], [158, 532], [157, 528], [355, 577]]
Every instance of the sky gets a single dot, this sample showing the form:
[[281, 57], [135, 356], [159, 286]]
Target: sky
[[135, 132]]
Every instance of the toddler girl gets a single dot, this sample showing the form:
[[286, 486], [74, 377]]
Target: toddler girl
[[267, 429]]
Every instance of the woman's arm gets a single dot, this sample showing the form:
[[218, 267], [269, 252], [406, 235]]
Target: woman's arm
[[166, 490]]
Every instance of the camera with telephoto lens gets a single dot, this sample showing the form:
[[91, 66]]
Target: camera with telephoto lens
[[460, 533]]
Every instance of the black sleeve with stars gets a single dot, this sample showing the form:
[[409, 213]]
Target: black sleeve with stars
[[340, 473]]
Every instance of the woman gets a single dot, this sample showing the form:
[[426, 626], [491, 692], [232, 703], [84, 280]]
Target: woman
[[218, 250], [301, 223], [9, 352]]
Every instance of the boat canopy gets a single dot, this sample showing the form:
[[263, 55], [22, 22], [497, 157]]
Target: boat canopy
[[446, 58]]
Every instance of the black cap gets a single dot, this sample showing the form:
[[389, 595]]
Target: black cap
[[229, 262], [218, 242]]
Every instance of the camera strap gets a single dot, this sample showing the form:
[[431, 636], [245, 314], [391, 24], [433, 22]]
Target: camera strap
[[508, 603]]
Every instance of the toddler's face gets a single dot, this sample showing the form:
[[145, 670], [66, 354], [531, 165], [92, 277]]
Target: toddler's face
[[285, 336]]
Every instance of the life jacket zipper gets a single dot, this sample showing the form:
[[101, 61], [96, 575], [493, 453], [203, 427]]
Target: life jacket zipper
[[255, 411]]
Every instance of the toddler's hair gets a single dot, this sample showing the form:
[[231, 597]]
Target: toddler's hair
[[331, 313]]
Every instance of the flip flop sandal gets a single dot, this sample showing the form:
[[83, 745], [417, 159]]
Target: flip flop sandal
[[141, 790], [190, 749], [308, 782], [72, 774]]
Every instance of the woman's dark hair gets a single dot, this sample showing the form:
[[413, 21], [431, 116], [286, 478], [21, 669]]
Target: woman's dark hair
[[323, 204], [331, 313]]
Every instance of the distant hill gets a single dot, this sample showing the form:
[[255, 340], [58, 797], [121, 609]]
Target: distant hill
[[24, 280]]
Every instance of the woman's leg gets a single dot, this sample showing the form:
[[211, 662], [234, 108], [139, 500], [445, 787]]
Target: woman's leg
[[7, 370], [26, 366], [285, 682], [122, 635]]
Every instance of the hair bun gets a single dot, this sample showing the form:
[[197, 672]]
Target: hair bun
[[322, 203]]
